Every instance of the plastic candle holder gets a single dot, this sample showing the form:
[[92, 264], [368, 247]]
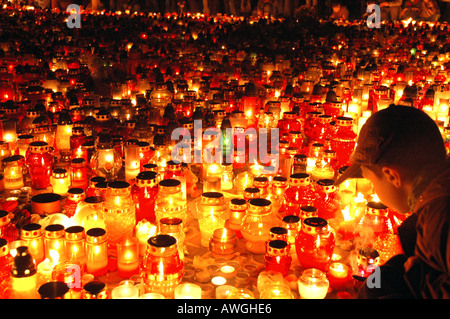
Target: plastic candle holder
[[96, 251], [338, 275], [128, 257]]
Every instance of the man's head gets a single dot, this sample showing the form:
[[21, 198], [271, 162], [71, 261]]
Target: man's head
[[392, 147], [336, 5]]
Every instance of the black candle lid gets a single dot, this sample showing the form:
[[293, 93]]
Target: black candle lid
[[23, 265], [53, 290], [162, 240]]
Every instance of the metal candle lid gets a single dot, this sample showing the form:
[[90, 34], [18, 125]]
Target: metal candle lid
[[24, 265]]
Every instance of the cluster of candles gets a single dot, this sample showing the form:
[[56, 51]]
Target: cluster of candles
[[106, 193]]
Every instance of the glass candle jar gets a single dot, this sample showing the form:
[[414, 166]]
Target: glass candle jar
[[75, 246], [293, 224], [343, 140], [144, 192], [212, 202], [79, 173], [277, 257], [63, 132], [90, 215], [128, 257], [74, 197], [256, 224], [23, 141], [162, 269], [95, 289], [23, 280], [174, 228], [299, 193], [119, 212], [376, 219], [33, 235], [54, 240], [60, 181], [223, 242], [13, 171], [315, 243], [40, 163], [6, 260], [91, 190], [170, 201], [313, 284], [208, 223], [327, 202], [96, 252], [132, 161], [227, 177], [106, 161], [77, 139], [238, 209]]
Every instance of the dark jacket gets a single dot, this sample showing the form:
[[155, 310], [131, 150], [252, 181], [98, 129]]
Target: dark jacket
[[430, 275]]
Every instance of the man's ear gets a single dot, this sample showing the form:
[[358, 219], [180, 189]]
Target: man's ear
[[392, 175]]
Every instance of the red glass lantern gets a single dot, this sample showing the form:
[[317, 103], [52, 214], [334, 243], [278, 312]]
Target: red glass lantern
[[74, 197], [162, 269], [327, 202], [277, 257], [79, 175], [315, 243], [40, 163], [376, 218], [6, 260], [299, 193], [144, 193], [288, 123], [343, 140]]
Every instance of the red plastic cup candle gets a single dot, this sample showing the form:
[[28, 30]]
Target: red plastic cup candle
[[338, 275]]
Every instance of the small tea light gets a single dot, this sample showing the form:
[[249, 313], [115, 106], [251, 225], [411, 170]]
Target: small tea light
[[152, 295], [126, 291], [222, 292], [188, 291], [218, 281], [228, 271], [313, 284]]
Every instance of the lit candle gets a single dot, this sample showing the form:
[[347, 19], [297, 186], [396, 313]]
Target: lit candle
[[75, 244], [128, 257], [13, 172], [132, 161], [54, 240], [144, 230], [222, 292], [338, 275], [223, 242], [33, 235], [208, 224], [313, 284], [96, 251], [188, 291], [60, 181], [126, 291]]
